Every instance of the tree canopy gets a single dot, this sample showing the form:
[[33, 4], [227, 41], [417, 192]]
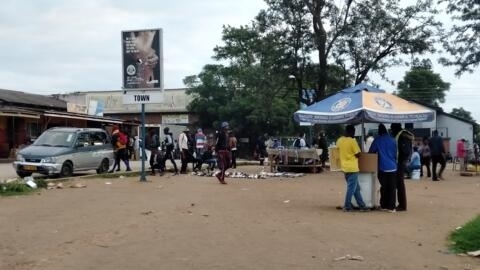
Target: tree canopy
[[464, 114], [462, 41], [293, 45], [423, 85]]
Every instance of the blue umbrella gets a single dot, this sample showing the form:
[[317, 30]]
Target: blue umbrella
[[363, 103]]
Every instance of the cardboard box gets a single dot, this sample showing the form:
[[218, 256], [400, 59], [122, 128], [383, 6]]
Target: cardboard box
[[334, 158], [368, 162]]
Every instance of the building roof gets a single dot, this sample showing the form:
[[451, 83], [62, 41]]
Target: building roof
[[440, 110], [12, 97]]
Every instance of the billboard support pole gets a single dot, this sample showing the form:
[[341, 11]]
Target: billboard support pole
[[143, 178], [142, 64]]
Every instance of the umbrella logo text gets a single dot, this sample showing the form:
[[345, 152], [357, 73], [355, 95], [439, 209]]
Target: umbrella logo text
[[340, 104], [383, 103]]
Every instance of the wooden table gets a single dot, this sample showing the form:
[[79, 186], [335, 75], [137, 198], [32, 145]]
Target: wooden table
[[294, 158]]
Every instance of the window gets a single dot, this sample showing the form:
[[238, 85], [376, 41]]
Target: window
[[33, 130]]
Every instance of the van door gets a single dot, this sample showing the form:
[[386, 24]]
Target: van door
[[101, 148], [83, 152]]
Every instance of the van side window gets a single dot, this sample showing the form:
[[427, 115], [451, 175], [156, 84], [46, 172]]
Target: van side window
[[98, 138], [83, 139]]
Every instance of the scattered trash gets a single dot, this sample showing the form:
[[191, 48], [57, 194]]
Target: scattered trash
[[10, 180], [31, 184], [458, 228], [54, 186], [108, 183], [192, 204], [205, 215], [286, 201], [78, 185], [147, 213], [238, 174], [28, 178], [121, 177], [350, 257], [474, 253]]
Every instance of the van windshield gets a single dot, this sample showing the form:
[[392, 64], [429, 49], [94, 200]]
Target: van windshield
[[56, 138]]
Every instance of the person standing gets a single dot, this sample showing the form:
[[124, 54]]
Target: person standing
[[169, 147], [153, 144], [185, 155], [262, 148], [461, 153], [299, 142], [368, 141], [425, 157], [404, 141], [200, 140], [322, 144], [349, 151], [386, 148], [223, 152], [437, 151], [119, 142], [232, 143]]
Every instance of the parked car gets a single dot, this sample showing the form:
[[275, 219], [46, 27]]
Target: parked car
[[65, 150]]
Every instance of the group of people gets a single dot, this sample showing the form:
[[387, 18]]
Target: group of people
[[195, 149], [396, 157], [430, 152]]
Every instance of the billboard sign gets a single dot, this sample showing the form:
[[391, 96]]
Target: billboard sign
[[142, 58]]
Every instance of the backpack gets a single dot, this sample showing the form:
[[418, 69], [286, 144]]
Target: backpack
[[169, 142], [405, 145], [155, 143], [296, 143], [122, 138]]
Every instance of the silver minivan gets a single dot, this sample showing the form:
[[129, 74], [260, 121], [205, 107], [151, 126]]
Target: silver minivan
[[65, 150]]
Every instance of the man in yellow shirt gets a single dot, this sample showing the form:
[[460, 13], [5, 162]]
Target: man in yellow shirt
[[349, 151]]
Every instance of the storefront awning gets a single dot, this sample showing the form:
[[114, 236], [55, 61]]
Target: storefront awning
[[83, 117], [19, 114]]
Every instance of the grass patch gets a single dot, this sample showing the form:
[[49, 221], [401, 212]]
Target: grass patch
[[15, 188], [466, 238]]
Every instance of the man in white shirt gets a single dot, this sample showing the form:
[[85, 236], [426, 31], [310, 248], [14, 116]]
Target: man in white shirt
[[300, 142], [184, 153]]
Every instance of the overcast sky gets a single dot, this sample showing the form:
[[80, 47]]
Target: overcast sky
[[62, 46]]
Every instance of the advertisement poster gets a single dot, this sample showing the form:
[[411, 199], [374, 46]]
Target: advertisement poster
[[142, 59]]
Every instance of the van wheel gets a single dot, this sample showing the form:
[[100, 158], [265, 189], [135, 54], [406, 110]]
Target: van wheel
[[104, 166], [23, 174], [67, 170]]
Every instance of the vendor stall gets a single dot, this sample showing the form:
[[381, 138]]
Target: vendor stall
[[280, 158]]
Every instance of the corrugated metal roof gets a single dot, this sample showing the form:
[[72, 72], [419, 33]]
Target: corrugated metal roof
[[18, 97]]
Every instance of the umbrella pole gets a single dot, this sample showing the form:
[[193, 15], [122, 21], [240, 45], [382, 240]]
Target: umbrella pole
[[363, 137]]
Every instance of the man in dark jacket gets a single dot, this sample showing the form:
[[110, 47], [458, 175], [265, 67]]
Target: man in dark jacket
[[437, 153], [386, 148], [404, 141]]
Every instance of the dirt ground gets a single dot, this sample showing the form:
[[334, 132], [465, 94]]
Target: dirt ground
[[193, 222]]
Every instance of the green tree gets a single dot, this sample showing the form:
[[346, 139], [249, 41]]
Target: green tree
[[463, 40], [380, 33], [423, 85], [462, 113]]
